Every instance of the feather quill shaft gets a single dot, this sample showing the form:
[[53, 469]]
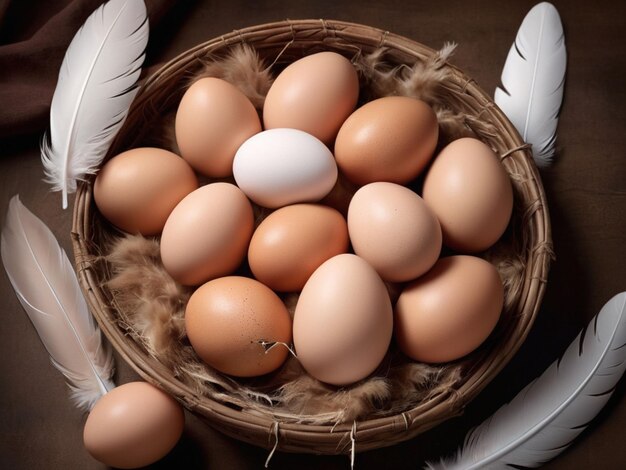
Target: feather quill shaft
[[45, 284], [97, 83], [548, 414], [533, 79]]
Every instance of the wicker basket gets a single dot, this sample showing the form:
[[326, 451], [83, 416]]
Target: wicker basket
[[291, 40]]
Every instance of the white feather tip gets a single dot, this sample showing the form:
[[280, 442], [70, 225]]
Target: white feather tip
[[533, 80]]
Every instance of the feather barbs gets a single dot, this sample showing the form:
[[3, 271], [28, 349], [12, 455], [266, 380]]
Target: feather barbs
[[97, 83], [533, 80], [546, 416], [45, 284]]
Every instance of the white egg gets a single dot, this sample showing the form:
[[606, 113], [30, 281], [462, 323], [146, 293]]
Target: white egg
[[278, 167]]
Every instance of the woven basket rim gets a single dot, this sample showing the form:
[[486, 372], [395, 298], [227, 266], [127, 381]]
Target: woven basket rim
[[264, 431]]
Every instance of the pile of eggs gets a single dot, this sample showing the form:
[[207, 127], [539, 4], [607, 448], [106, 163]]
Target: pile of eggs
[[342, 262]]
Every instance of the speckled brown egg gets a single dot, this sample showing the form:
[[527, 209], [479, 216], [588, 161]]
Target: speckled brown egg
[[229, 318]]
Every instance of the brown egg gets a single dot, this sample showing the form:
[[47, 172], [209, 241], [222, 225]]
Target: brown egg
[[228, 318], [138, 189], [213, 119], [470, 192], [133, 425], [207, 234], [343, 321], [293, 241], [388, 139], [314, 94], [449, 311], [393, 229]]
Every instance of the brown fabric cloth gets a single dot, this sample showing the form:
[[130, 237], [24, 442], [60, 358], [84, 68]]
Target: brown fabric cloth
[[34, 36]]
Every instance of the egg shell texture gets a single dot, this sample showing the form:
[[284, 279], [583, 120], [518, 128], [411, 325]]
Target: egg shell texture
[[314, 94], [213, 119], [393, 229], [387, 139], [225, 320], [133, 425], [207, 234], [293, 241], [448, 312], [278, 167], [138, 189], [470, 191], [343, 321]]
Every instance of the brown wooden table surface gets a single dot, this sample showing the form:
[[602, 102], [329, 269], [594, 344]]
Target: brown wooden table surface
[[586, 193]]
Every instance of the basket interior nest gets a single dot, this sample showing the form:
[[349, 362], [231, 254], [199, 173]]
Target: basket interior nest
[[138, 304]]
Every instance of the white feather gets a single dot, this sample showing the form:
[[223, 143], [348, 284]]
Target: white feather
[[533, 79], [97, 83], [546, 416], [46, 286]]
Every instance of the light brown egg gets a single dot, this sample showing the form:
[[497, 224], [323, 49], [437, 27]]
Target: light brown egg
[[314, 94], [393, 229], [207, 234], [133, 425], [228, 318], [470, 192], [387, 139], [449, 311], [213, 119], [343, 321], [293, 241], [138, 189]]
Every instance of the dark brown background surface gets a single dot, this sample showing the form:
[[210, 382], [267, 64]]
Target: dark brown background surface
[[586, 192]]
